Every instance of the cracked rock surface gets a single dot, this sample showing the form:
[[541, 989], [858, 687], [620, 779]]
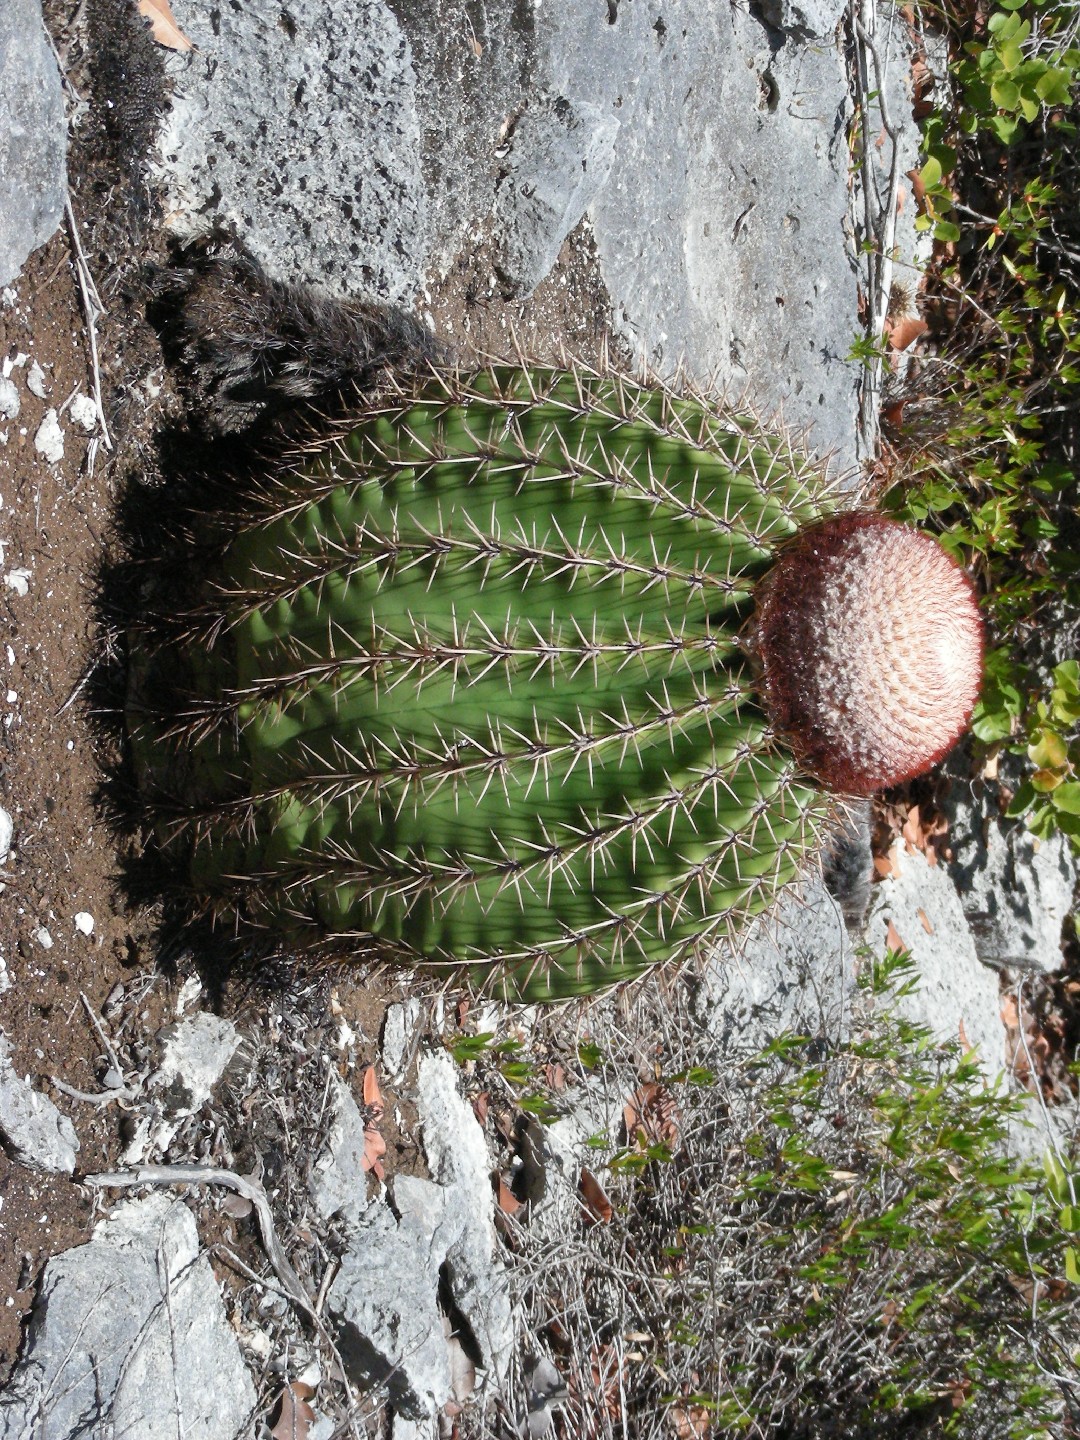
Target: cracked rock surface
[[129, 1337], [33, 136]]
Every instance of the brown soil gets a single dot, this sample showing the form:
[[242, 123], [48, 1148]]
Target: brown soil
[[62, 753]]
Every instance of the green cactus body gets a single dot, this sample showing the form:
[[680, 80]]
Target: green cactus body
[[467, 689]]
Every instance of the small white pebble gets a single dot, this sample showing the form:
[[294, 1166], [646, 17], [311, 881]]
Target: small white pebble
[[35, 381], [84, 922], [7, 830], [10, 654], [12, 696], [43, 938], [49, 440], [84, 413], [18, 580]]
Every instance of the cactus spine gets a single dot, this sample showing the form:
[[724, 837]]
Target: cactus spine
[[467, 686]]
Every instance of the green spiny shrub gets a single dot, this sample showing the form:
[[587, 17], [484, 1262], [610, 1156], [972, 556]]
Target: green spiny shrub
[[472, 684]]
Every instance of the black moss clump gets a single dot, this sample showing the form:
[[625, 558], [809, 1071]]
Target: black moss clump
[[129, 88], [248, 348]]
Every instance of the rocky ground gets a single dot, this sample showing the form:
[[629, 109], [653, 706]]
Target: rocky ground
[[637, 179]]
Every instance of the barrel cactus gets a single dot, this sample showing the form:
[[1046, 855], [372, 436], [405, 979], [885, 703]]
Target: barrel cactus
[[478, 680]]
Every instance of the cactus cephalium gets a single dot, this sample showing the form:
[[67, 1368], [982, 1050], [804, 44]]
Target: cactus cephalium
[[475, 682]]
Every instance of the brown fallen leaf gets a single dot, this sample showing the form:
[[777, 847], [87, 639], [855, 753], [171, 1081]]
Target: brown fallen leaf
[[372, 1094], [597, 1203], [508, 1203], [163, 26], [691, 1422], [905, 331], [374, 1150], [885, 866], [924, 920], [294, 1413], [892, 938], [651, 1117], [480, 1106]]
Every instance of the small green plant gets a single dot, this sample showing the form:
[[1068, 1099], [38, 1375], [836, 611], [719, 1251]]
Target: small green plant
[[987, 453], [1006, 82], [843, 1250], [1063, 1186]]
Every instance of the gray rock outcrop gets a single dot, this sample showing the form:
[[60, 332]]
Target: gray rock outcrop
[[794, 971], [560, 154], [33, 136], [957, 997], [1017, 891], [437, 1237], [708, 155], [32, 1129], [317, 169], [129, 1337]]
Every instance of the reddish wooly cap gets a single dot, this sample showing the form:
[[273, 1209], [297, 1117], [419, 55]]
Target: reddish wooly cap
[[872, 644]]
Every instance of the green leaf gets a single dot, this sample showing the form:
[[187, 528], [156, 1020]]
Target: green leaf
[[1067, 797], [1057, 1182], [1002, 26], [1072, 1267], [1005, 93], [947, 231], [1022, 801], [1054, 87], [930, 174], [1048, 750], [1011, 56], [1006, 129]]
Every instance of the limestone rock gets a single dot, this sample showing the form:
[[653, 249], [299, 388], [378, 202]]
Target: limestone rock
[[560, 154], [32, 1129], [1017, 891], [33, 136], [458, 1156], [957, 996], [129, 1337], [195, 1054], [794, 970], [318, 172], [338, 1181], [384, 1302]]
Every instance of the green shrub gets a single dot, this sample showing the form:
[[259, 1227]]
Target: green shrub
[[987, 445], [834, 1245]]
